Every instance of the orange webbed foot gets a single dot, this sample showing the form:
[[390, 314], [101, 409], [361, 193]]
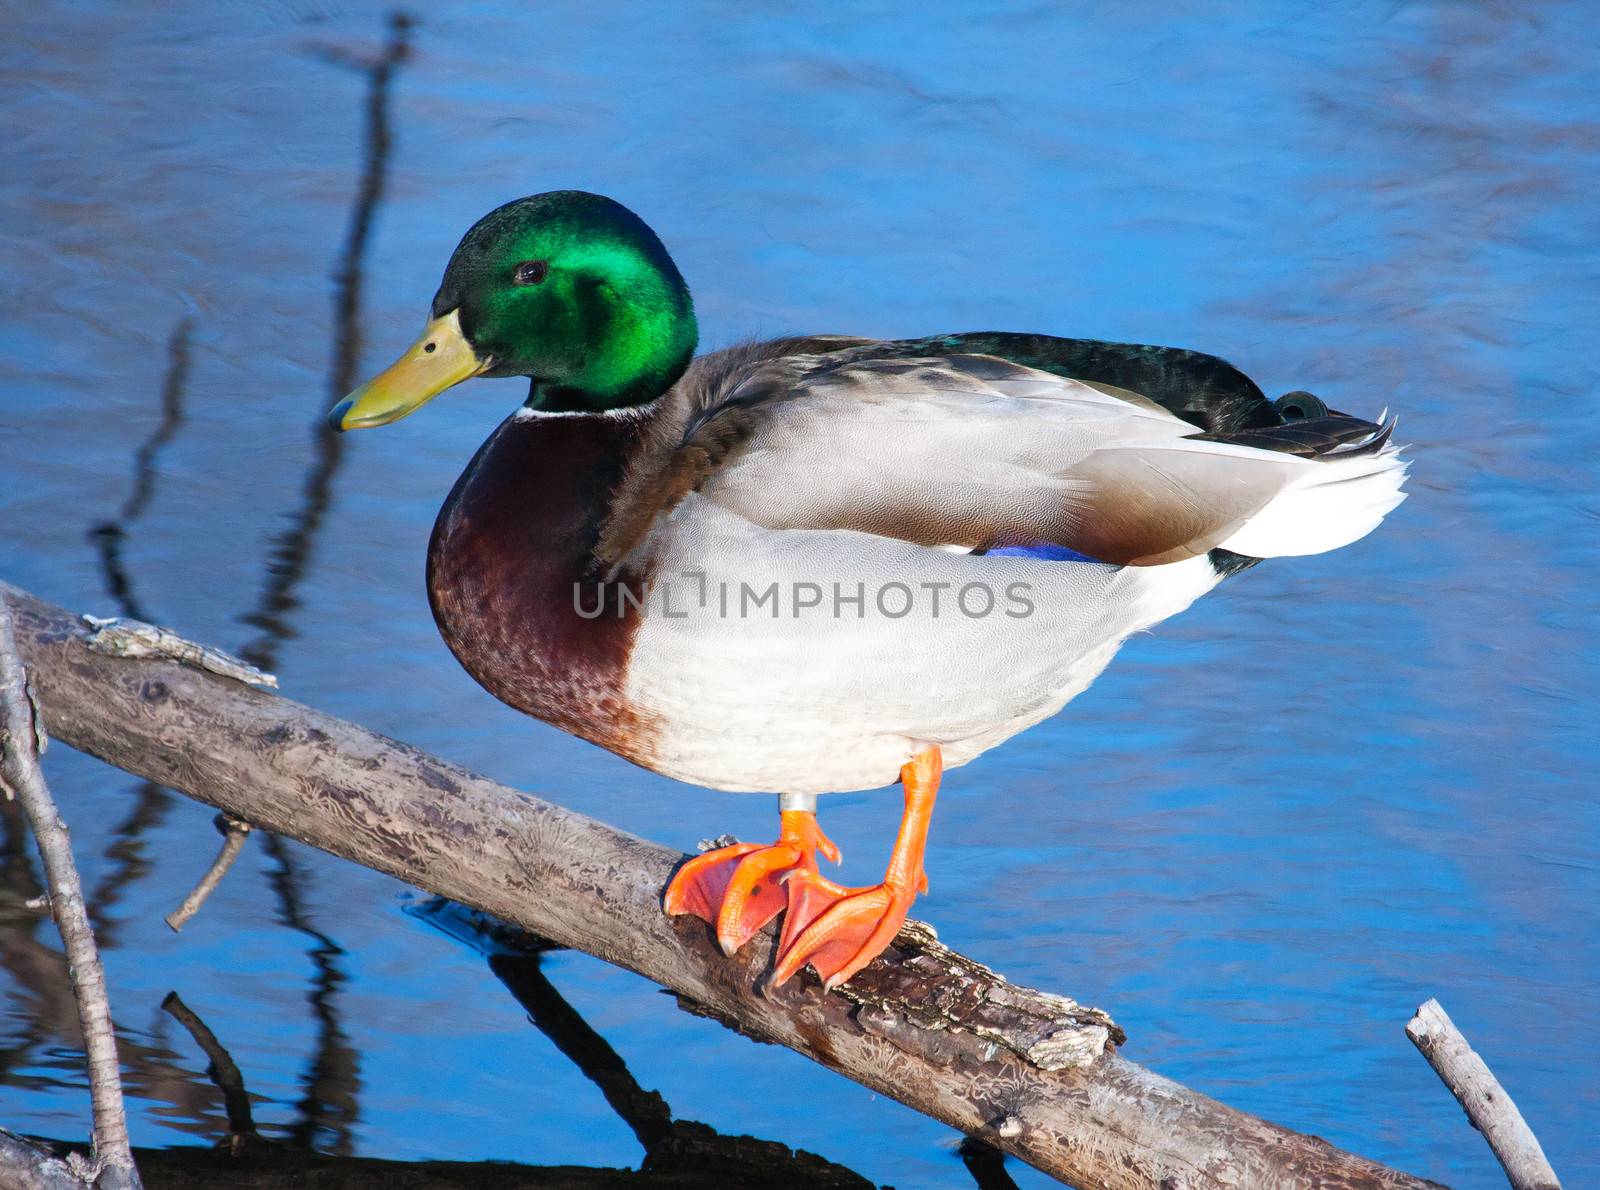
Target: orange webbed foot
[[853, 929], [853, 926], [698, 886], [739, 889], [837, 930]]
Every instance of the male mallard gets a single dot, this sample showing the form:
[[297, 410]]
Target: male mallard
[[815, 563]]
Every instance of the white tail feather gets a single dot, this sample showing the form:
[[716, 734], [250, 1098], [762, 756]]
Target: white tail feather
[[1336, 501]]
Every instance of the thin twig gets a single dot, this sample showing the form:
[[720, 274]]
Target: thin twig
[[234, 833], [1482, 1097], [22, 739]]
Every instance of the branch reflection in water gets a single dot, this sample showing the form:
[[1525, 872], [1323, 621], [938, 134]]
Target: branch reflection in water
[[677, 1153], [328, 1110]]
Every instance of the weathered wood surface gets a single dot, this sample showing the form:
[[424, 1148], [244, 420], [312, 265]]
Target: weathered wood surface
[[923, 1025], [27, 1166], [1481, 1096]]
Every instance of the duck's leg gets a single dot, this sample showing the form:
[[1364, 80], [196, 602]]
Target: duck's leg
[[739, 889], [856, 924]]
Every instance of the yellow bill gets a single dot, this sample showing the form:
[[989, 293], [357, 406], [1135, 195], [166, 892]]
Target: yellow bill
[[439, 358]]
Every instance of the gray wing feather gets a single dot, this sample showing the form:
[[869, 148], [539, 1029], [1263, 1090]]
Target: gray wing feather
[[974, 451]]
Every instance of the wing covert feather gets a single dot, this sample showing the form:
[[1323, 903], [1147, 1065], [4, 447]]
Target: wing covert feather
[[970, 451]]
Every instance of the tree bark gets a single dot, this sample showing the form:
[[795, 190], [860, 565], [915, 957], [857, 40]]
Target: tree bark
[[1033, 1074], [1482, 1097], [25, 1165]]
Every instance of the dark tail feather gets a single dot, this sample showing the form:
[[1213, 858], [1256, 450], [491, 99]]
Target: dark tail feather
[[1227, 563], [1334, 435]]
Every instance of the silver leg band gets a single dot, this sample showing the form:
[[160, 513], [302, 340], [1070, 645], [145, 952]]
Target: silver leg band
[[798, 801]]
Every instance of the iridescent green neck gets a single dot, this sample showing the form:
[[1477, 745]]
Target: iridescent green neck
[[638, 346]]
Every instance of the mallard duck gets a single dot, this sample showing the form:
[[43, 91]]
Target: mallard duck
[[823, 563]]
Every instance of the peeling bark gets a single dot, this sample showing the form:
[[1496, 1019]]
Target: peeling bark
[[1030, 1073]]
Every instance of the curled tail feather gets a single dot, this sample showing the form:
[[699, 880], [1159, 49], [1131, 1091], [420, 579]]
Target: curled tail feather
[[1355, 479]]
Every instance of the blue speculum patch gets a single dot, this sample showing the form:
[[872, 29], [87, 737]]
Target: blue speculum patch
[[1043, 551]]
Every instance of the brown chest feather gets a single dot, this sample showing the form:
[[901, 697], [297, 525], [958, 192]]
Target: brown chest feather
[[511, 562]]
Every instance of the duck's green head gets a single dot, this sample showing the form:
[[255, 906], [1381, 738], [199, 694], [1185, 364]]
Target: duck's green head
[[569, 288]]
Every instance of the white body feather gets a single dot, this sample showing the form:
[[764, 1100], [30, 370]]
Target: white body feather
[[810, 700], [811, 703]]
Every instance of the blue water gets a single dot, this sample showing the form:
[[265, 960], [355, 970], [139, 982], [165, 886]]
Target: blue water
[[1337, 786]]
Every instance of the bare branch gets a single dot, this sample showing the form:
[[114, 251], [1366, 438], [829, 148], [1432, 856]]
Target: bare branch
[[1482, 1097], [234, 833], [22, 738]]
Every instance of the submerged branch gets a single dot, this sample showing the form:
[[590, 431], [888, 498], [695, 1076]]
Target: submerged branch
[[1032, 1074]]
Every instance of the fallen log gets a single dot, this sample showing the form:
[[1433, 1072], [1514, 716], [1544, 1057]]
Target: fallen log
[[1031, 1073]]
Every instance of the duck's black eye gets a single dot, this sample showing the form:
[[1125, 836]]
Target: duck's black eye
[[531, 272]]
